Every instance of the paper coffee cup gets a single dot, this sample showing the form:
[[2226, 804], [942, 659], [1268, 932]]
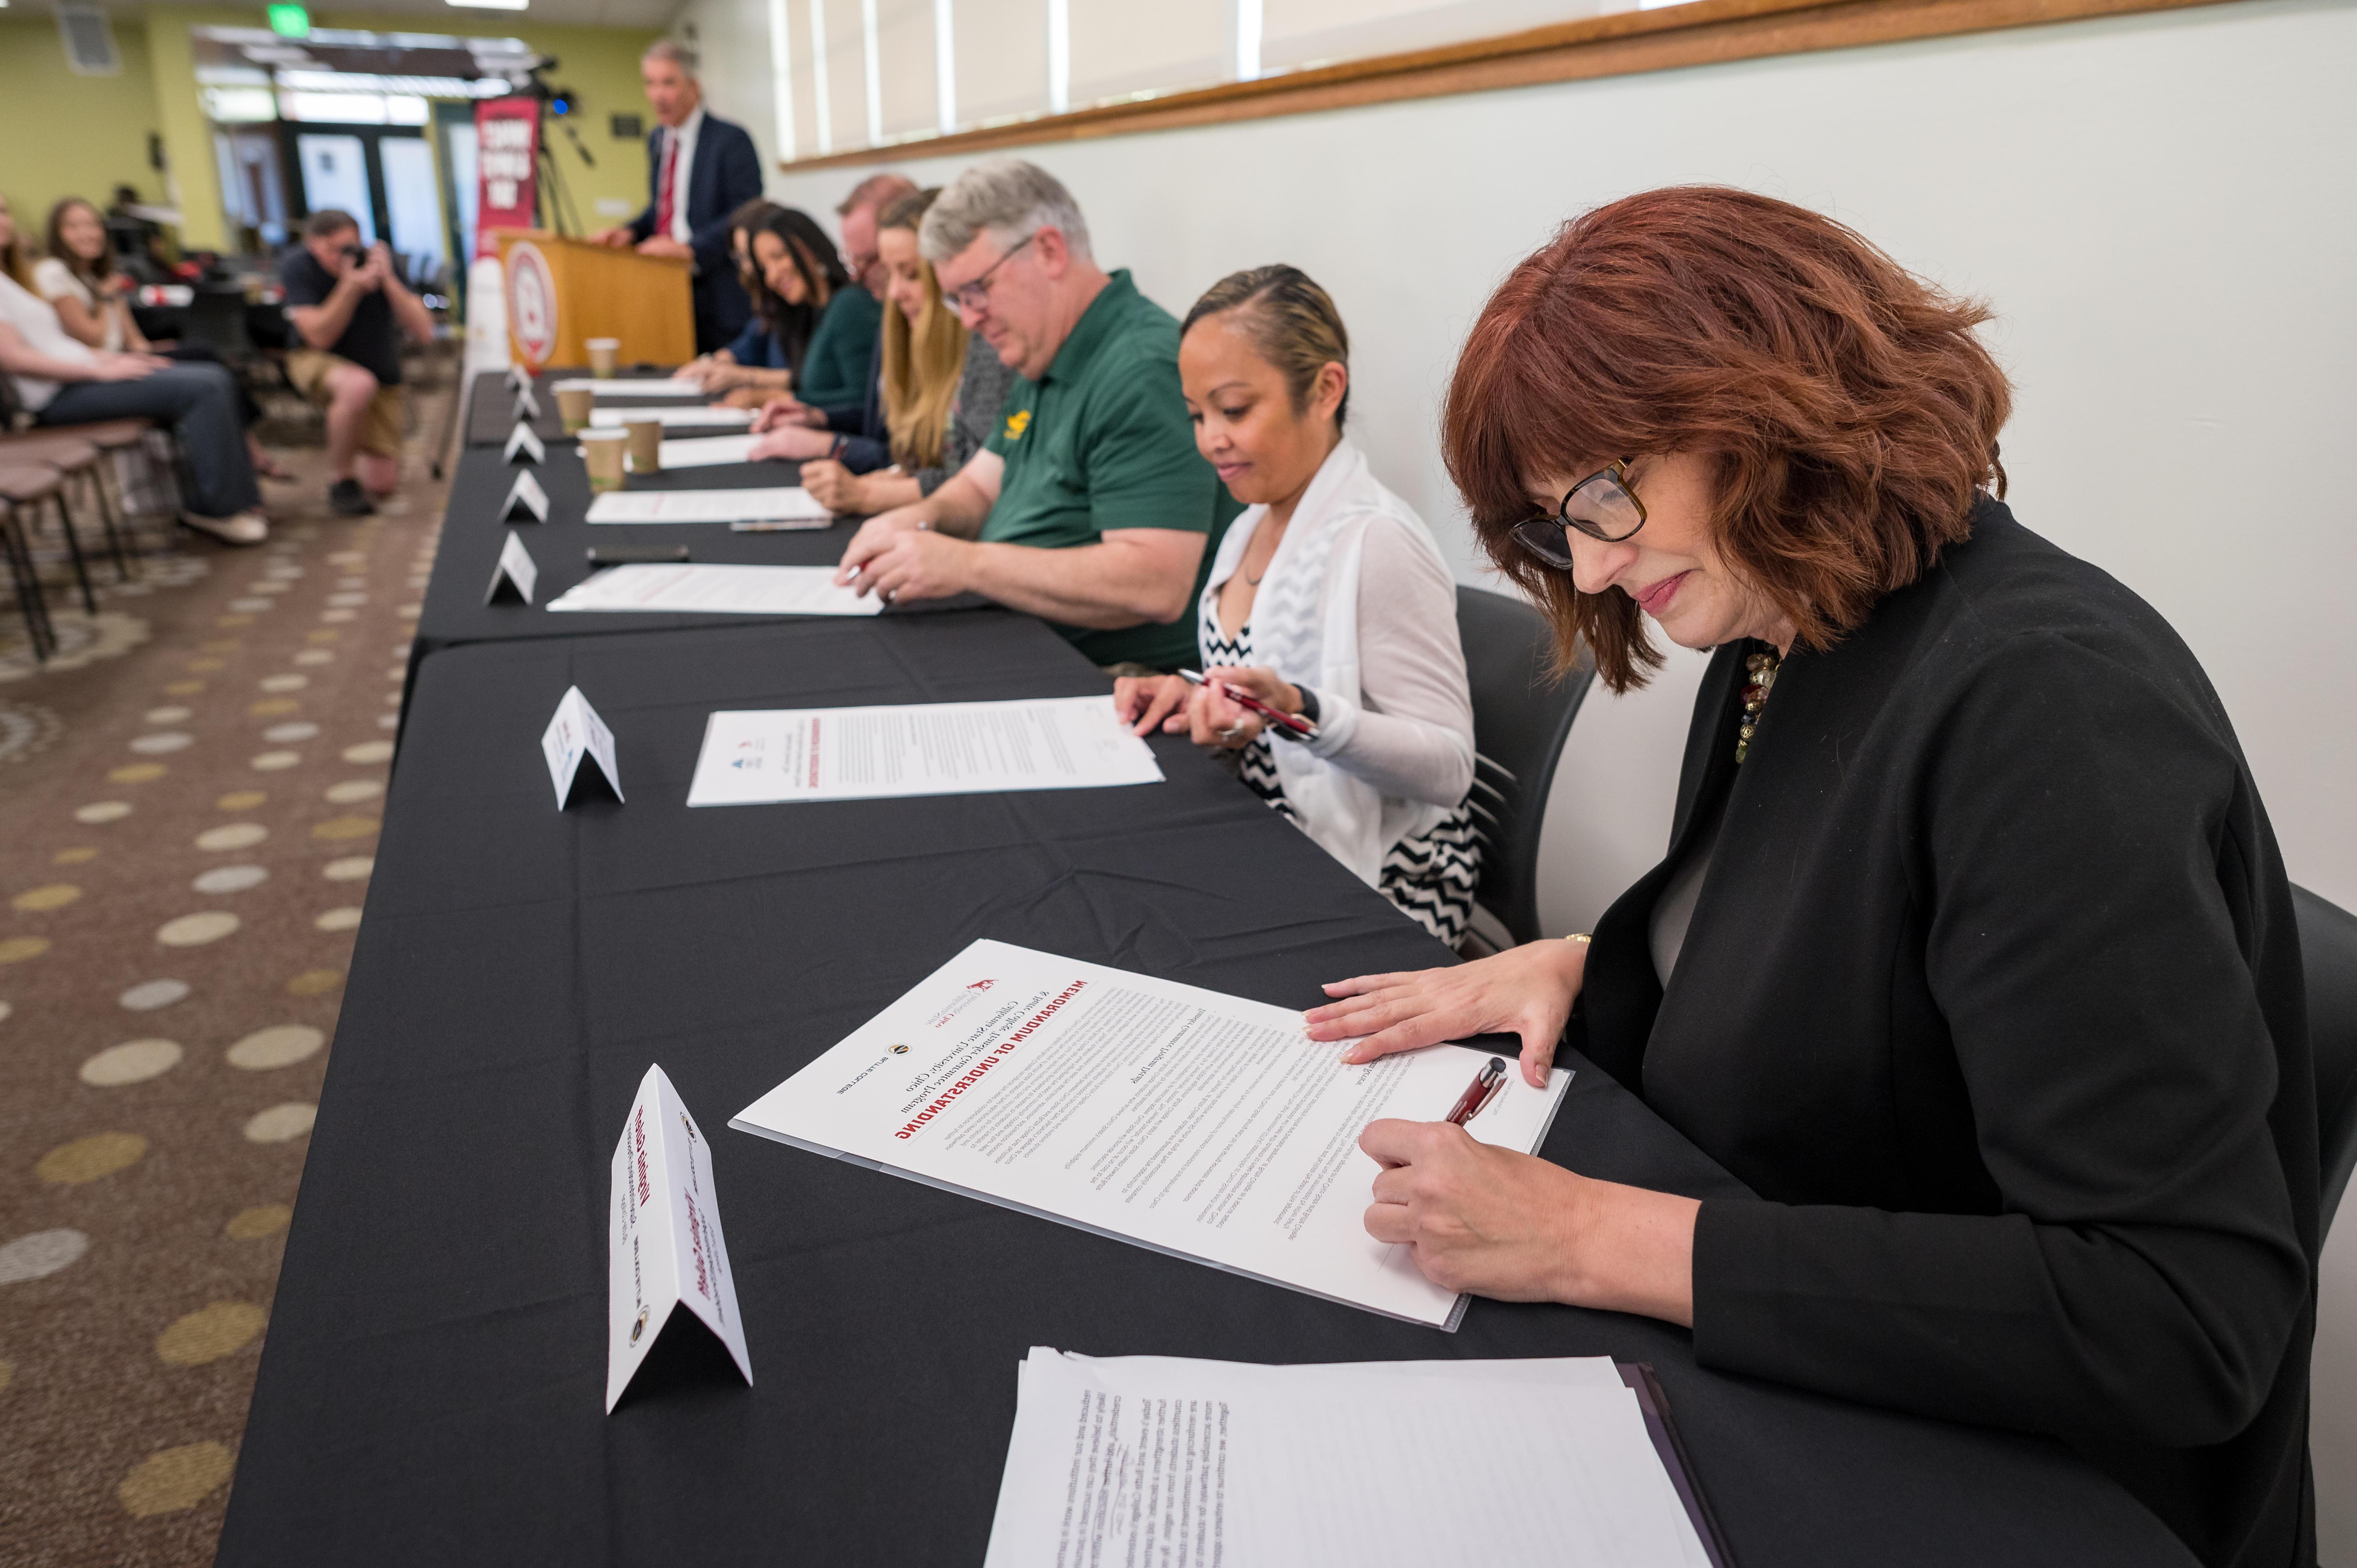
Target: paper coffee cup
[[602, 450], [603, 352], [646, 444], [572, 406]]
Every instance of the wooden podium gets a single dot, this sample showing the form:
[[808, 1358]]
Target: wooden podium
[[562, 291]]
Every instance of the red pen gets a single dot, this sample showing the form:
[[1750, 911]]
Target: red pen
[[1479, 1092], [1294, 721]]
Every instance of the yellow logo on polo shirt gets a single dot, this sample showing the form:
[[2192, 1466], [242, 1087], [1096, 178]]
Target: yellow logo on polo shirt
[[1017, 422]]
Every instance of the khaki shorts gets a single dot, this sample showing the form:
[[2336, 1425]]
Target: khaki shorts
[[309, 368]]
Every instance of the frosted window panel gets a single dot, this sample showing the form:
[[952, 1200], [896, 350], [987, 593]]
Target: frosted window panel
[[1120, 47], [411, 197], [801, 56], [1296, 33], [335, 174], [846, 72], [1002, 59], [904, 37]]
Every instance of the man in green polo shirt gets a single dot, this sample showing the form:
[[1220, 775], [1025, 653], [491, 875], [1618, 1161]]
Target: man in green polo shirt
[[1090, 507]]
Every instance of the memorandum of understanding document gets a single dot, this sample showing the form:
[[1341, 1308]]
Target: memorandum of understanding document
[[1198, 1124], [716, 590], [762, 758]]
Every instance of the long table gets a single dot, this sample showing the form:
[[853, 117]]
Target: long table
[[431, 1389]]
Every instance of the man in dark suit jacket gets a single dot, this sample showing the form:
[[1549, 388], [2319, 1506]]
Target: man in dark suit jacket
[[700, 168]]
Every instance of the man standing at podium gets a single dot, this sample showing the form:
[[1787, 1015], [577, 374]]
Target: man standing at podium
[[702, 168]]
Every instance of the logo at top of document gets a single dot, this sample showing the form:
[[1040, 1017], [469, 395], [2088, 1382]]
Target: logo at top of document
[[640, 1327], [900, 1050], [982, 985], [1017, 422], [686, 1123]]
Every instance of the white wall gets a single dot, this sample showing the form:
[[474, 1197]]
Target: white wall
[[2162, 211]]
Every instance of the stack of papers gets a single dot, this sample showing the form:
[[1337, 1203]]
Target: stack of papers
[[718, 590], [704, 451], [1207, 1126], [764, 757], [707, 414], [1149, 1459], [783, 504], [675, 387]]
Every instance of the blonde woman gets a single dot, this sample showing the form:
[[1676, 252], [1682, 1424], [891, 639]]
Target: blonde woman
[[933, 402]]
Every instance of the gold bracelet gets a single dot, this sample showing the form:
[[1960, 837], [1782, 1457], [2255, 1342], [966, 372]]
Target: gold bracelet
[[1582, 938]]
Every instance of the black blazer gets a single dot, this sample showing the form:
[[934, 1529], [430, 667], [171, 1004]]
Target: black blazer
[[725, 175], [1993, 994]]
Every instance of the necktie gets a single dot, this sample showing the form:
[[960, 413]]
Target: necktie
[[663, 186]]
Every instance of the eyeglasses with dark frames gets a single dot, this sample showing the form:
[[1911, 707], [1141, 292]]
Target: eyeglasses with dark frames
[[967, 298], [1602, 506]]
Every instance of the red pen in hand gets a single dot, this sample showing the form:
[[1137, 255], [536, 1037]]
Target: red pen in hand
[[1479, 1092], [1300, 726]]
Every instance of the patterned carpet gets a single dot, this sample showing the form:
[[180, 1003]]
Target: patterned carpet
[[191, 795]]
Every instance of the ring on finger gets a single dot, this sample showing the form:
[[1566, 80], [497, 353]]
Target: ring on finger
[[1234, 732]]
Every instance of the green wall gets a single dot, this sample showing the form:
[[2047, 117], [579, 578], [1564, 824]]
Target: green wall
[[62, 135]]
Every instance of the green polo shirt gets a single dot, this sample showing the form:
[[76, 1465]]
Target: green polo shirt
[[1102, 442]]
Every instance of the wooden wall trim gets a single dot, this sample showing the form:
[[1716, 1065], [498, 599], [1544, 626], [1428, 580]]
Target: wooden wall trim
[[1626, 43]]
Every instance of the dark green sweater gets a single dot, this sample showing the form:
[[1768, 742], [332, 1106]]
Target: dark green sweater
[[834, 367]]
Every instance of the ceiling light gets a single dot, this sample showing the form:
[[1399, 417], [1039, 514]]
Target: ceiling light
[[491, 5]]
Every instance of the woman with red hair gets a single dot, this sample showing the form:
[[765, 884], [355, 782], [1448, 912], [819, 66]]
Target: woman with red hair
[[1971, 956]]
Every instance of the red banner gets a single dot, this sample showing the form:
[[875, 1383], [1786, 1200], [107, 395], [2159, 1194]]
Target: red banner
[[507, 143]]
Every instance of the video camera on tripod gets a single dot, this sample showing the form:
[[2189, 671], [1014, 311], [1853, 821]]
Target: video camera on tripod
[[555, 107]]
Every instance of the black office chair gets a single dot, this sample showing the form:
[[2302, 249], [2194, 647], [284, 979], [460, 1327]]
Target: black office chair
[[1521, 715], [2328, 950], [217, 321]]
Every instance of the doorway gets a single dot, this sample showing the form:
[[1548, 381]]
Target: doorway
[[385, 177]]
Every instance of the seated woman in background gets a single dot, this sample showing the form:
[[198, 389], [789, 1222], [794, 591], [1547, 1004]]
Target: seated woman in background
[[820, 331], [929, 409], [752, 349], [1327, 599], [61, 380], [91, 297], [1972, 955]]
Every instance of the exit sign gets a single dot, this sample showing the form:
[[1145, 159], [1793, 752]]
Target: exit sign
[[290, 21]]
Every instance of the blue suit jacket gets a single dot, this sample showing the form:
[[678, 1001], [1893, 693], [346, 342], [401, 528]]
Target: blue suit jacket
[[726, 173]]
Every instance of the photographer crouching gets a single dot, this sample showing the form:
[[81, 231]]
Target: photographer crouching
[[349, 307]]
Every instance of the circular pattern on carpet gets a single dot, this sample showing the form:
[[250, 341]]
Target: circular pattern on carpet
[[254, 1224], [16, 949], [315, 656], [167, 716], [285, 683], [163, 742], [87, 1159], [232, 836], [352, 868], [336, 828], [231, 878], [370, 751], [346, 918], [55, 896], [315, 982], [74, 856], [221, 1329], [273, 761], [40, 1254], [174, 1479], [282, 734], [239, 800], [102, 811], [136, 773], [281, 1123], [149, 994], [195, 930], [353, 790], [132, 1061], [281, 1045]]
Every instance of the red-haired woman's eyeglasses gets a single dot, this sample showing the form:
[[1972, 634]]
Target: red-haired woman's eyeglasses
[[1602, 506]]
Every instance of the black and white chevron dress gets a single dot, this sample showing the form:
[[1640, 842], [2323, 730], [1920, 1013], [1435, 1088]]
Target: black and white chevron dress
[[1429, 876]]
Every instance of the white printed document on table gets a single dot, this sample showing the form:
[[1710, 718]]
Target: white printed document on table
[[786, 503], [688, 588], [715, 414], [707, 451], [760, 758], [1206, 1126], [674, 387], [1197, 1464]]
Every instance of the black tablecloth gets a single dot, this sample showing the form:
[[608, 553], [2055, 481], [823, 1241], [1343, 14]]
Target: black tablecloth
[[472, 536], [432, 1386], [490, 411]]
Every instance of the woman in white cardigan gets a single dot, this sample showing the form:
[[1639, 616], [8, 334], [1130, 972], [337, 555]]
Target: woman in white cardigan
[[1328, 600]]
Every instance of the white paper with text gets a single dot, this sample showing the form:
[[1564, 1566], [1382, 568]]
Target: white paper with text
[[1203, 1125], [675, 387], [688, 588], [756, 757], [707, 451], [616, 417], [779, 503]]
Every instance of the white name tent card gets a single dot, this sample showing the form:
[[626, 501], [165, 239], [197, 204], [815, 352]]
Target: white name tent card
[[575, 734], [526, 405], [780, 504], [713, 415], [706, 589], [518, 379], [515, 572], [761, 757], [1545, 1461], [707, 451], [664, 1248], [526, 500], [619, 387], [525, 444], [1206, 1126]]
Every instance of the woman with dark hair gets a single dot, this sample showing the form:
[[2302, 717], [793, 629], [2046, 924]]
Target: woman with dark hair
[[819, 331], [719, 370], [1972, 955]]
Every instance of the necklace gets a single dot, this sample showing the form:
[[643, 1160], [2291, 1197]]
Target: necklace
[[1763, 667]]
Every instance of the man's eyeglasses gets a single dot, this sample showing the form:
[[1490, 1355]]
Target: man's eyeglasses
[[969, 298], [1601, 506]]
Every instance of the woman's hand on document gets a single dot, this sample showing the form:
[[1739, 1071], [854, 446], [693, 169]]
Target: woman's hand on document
[[1526, 991], [1497, 1223], [1150, 702]]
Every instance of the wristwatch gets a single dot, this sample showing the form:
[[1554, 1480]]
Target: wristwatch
[[1309, 712]]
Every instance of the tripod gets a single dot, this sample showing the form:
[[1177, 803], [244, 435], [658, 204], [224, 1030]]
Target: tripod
[[555, 199]]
